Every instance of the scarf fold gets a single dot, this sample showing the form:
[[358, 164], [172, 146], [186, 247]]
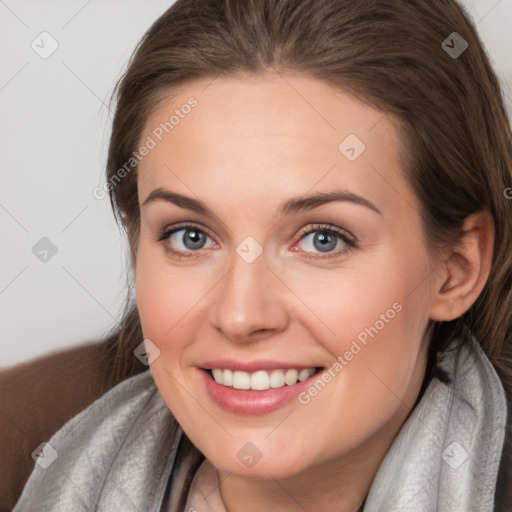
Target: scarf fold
[[446, 456], [120, 452]]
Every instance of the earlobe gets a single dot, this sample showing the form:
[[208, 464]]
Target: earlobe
[[465, 269]]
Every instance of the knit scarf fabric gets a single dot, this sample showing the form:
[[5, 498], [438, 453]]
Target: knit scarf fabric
[[120, 452]]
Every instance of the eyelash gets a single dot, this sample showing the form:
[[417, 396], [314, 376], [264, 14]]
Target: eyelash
[[321, 228]]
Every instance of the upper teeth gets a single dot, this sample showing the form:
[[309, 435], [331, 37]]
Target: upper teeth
[[261, 379]]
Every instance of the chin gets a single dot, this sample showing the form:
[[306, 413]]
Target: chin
[[273, 464]]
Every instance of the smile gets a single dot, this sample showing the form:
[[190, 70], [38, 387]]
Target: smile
[[256, 392]]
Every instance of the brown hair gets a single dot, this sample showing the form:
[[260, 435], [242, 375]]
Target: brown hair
[[388, 53]]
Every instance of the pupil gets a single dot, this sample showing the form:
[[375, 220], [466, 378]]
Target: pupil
[[193, 239], [324, 241]]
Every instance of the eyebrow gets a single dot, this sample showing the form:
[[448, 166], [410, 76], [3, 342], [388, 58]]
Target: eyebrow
[[293, 205]]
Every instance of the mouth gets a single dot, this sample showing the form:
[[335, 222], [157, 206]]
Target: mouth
[[261, 380], [262, 391]]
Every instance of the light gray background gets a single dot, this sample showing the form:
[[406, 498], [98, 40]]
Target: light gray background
[[54, 128]]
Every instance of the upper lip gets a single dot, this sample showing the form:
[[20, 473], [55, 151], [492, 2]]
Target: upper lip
[[252, 366]]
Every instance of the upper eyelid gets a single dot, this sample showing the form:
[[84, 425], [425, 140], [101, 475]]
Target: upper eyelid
[[327, 227], [186, 225]]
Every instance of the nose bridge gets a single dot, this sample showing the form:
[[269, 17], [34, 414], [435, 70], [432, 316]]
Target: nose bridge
[[248, 300]]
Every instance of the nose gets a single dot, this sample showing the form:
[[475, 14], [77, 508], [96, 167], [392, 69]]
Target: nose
[[249, 303]]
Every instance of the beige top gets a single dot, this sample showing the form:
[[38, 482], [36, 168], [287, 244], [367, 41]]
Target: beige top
[[204, 494]]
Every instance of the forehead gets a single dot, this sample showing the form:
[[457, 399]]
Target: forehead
[[270, 135]]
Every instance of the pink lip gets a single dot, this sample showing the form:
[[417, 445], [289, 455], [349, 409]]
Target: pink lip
[[250, 401], [252, 366]]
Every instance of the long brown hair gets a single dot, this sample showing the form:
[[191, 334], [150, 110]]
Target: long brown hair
[[389, 53]]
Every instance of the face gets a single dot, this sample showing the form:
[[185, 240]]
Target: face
[[278, 232]]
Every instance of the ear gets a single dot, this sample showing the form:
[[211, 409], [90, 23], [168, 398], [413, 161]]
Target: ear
[[463, 271]]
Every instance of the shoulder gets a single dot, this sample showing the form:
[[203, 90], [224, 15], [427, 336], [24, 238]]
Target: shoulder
[[91, 458], [37, 398]]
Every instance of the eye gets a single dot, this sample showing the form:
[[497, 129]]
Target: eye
[[184, 240], [325, 239]]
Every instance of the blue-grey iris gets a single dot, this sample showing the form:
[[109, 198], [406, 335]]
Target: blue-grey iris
[[193, 239], [324, 241]]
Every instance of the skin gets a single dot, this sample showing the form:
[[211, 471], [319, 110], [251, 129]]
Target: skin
[[250, 144]]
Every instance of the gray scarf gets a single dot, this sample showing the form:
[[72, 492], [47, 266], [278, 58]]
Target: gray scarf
[[119, 453]]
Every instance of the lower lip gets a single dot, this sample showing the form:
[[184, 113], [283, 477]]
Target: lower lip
[[253, 402]]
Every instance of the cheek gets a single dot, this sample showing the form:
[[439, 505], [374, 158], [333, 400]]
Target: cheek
[[375, 295], [166, 295], [376, 348], [372, 319], [169, 302]]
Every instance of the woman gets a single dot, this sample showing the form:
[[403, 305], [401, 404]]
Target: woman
[[314, 193]]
